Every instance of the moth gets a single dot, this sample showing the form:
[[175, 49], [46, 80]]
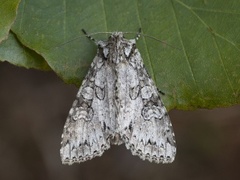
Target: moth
[[117, 103]]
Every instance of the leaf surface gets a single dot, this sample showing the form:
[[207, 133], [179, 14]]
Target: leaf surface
[[204, 73]]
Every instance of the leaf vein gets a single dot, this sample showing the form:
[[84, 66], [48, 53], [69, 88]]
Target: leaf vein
[[22, 14], [223, 65], [105, 16], [205, 24], [145, 44], [184, 50], [64, 20], [214, 11]]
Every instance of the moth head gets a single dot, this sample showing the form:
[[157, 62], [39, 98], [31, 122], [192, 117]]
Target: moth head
[[116, 36]]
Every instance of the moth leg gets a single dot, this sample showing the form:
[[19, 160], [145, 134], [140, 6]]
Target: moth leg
[[161, 92]]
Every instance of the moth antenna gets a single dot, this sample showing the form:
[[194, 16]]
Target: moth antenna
[[151, 37], [89, 36], [138, 34]]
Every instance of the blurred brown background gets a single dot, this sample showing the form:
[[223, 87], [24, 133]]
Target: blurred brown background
[[33, 109]]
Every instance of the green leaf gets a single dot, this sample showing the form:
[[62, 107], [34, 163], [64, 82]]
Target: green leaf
[[204, 73], [8, 12], [14, 52]]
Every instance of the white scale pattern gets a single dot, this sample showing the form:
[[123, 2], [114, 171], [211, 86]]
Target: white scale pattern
[[118, 103]]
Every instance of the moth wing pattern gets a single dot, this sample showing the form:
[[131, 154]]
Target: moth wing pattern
[[146, 128], [90, 123], [118, 102]]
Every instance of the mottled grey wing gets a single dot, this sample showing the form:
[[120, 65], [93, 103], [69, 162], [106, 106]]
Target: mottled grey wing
[[91, 120], [144, 124]]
